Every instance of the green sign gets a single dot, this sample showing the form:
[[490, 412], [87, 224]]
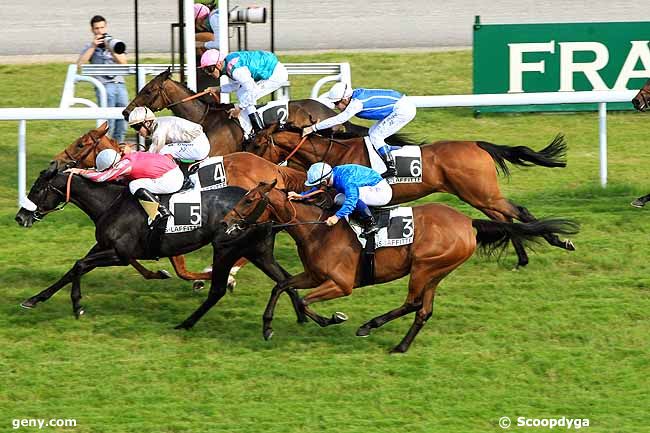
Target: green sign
[[520, 58]]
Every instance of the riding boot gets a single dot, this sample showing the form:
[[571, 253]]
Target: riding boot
[[389, 161], [256, 121], [157, 212], [366, 218]]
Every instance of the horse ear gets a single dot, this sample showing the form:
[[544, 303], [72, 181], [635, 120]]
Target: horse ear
[[272, 184], [167, 72], [102, 129]]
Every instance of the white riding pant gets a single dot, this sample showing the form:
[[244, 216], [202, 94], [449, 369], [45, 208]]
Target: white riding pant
[[168, 183], [403, 112], [249, 91], [376, 195], [195, 150]]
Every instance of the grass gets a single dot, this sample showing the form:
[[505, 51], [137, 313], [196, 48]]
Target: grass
[[567, 336]]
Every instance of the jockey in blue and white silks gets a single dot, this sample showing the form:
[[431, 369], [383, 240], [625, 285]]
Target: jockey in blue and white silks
[[360, 186], [254, 74], [392, 110]]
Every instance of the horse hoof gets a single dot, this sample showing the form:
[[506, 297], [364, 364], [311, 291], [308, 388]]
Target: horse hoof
[[198, 285], [231, 283], [163, 274], [268, 333], [568, 245], [363, 332], [28, 305], [637, 203], [339, 317], [80, 312], [183, 326], [398, 349]]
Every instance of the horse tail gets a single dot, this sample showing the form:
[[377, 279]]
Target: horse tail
[[553, 155], [492, 237]]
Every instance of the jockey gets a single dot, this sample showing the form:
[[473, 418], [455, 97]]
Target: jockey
[[171, 135], [254, 74], [392, 110], [361, 186], [147, 173]]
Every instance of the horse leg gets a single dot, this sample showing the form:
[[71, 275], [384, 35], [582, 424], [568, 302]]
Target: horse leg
[[641, 201], [328, 289], [82, 266], [178, 262], [376, 322], [221, 263], [147, 274], [525, 216], [303, 280], [421, 317], [522, 255], [233, 273]]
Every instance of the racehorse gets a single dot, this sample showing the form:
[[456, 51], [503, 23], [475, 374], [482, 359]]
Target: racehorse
[[242, 169], [443, 239], [224, 133], [122, 235], [641, 102], [463, 168]]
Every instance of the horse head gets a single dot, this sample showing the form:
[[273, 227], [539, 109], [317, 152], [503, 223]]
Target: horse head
[[82, 152], [44, 196], [249, 209], [642, 99], [152, 95]]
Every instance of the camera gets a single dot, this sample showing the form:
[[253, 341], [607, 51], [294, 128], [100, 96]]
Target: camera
[[250, 14], [115, 45]]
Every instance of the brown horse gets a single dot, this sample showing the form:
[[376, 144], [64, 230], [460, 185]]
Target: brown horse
[[224, 133], [242, 169], [463, 168], [444, 238]]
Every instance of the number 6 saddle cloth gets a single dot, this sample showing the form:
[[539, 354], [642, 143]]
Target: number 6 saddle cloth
[[408, 162]]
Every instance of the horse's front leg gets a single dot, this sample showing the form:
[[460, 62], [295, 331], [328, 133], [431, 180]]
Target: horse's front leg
[[301, 280]]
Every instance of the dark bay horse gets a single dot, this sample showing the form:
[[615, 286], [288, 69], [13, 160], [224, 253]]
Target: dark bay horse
[[122, 235], [463, 168], [642, 102], [224, 133], [444, 239], [242, 169]]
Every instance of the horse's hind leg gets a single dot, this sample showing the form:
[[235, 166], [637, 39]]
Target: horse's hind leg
[[522, 255], [524, 215], [421, 316], [641, 201]]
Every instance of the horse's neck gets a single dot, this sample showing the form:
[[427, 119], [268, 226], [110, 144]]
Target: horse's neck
[[323, 149], [193, 110], [95, 201], [294, 180], [284, 212]]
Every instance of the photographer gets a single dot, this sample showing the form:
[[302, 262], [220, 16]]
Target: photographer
[[99, 52]]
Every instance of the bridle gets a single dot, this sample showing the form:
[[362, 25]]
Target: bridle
[[39, 215], [264, 203], [84, 153]]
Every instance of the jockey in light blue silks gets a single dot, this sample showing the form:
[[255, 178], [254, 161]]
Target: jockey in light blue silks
[[358, 187], [392, 110], [254, 74]]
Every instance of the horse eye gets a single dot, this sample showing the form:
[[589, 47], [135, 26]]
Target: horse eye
[[80, 145], [248, 200]]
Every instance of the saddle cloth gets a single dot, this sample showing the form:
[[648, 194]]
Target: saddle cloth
[[396, 227]]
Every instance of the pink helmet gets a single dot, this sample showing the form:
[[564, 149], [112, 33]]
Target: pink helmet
[[200, 11], [211, 57]]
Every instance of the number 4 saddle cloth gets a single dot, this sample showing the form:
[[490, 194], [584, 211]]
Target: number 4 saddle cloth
[[395, 224]]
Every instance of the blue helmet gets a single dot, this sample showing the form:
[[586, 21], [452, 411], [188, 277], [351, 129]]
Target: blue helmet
[[317, 173]]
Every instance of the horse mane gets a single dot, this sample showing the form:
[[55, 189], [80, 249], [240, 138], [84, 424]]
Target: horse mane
[[294, 180], [393, 140]]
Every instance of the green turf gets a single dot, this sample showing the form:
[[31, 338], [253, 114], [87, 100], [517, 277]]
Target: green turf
[[567, 336]]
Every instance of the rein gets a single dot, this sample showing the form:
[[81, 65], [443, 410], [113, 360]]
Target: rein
[[39, 215], [188, 98]]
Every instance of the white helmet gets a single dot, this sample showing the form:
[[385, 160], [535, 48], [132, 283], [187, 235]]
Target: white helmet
[[141, 114], [106, 159], [317, 173], [338, 92]]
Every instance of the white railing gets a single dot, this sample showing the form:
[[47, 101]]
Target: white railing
[[600, 97], [543, 98]]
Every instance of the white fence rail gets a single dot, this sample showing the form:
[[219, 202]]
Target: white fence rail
[[600, 97]]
